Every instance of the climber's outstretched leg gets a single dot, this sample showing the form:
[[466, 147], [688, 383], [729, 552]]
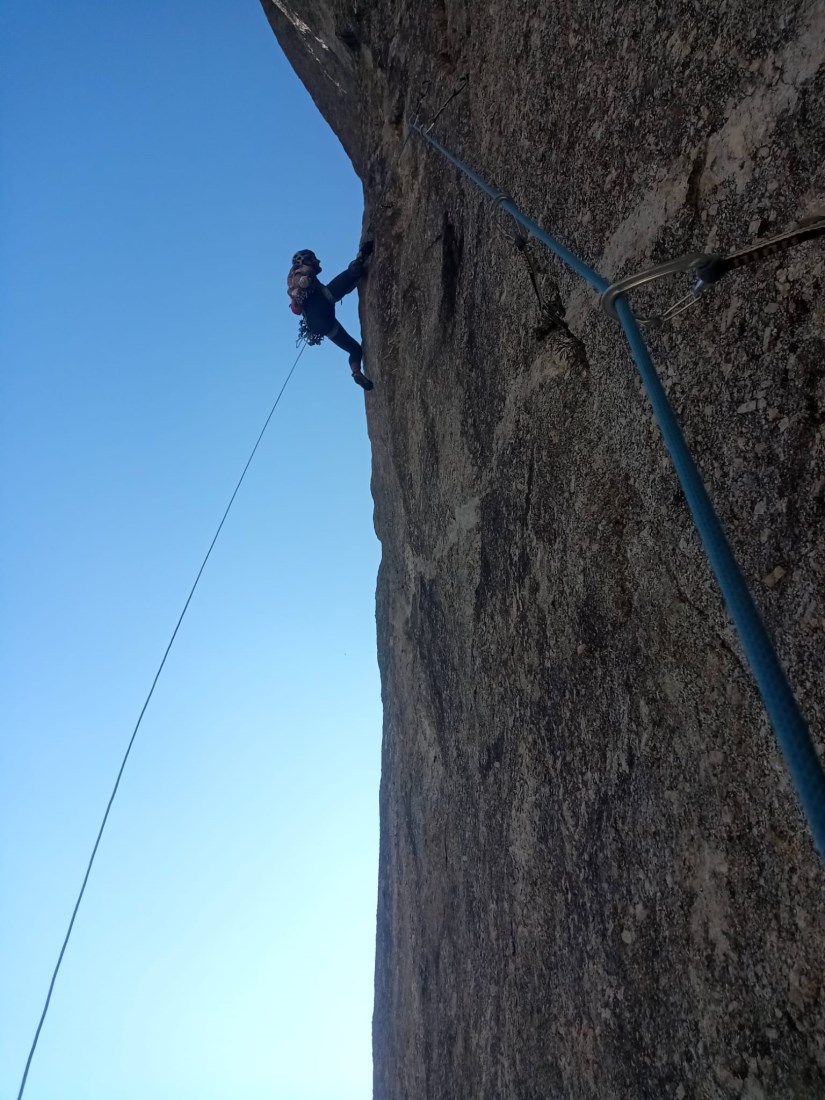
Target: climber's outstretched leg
[[342, 339], [346, 282]]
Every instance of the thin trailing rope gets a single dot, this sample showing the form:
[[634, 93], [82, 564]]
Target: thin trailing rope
[[425, 91], [521, 244], [809, 229], [137, 726], [459, 88], [425, 88]]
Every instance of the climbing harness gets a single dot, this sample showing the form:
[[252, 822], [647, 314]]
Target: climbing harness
[[786, 718], [708, 268], [138, 723]]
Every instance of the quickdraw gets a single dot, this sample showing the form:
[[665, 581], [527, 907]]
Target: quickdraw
[[708, 268], [425, 91]]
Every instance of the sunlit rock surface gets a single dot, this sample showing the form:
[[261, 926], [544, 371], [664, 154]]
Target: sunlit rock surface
[[594, 876]]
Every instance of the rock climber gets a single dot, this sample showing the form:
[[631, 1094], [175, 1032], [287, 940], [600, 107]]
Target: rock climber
[[314, 302]]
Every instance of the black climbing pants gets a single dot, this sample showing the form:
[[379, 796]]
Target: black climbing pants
[[345, 282], [319, 309], [343, 340]]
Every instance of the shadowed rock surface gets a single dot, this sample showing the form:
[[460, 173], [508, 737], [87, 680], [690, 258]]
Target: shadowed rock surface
[[594, 877]]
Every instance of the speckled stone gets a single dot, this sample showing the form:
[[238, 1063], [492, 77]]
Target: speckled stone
[[594, 876]]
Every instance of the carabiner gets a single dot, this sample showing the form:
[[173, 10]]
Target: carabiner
[[691, 262], [709, 268]]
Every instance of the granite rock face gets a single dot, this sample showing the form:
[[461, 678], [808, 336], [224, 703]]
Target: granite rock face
[[594, 877]]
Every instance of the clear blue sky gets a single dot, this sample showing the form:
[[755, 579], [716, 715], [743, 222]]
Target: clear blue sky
[[160, 164]]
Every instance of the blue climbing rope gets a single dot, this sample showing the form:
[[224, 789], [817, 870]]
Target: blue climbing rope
[[507, 204], [782, 708]]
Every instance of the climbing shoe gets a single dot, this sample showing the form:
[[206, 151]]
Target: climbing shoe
[[361, 380], [358, 376]]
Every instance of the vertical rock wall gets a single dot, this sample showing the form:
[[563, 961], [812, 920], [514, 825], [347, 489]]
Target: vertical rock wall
[[594, 877]]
